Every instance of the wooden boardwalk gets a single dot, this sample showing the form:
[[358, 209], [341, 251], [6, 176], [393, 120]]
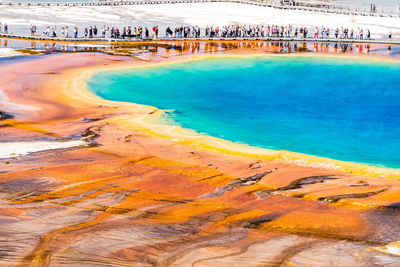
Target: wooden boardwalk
[[274, 39]]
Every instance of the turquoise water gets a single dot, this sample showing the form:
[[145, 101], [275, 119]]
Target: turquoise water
[[345, 109]]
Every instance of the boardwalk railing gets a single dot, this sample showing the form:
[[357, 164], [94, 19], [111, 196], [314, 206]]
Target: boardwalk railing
[[108, 3], [323, 8], [300, 5], [203, 38]]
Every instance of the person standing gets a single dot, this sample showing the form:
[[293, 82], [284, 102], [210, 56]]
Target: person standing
[[103, 31], [316, 32], [54, 31], [47, 32], [75, 32], [168, 32], [124, 32], [33, 30]]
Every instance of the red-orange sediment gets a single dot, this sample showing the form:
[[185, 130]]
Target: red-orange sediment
[[140, 198]]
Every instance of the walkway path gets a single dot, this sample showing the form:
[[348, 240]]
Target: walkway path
[[281, 39]]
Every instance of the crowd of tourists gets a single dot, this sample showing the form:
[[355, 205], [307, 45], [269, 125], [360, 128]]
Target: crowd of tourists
[[372, 8], [52, 32], [103, 32], [288, 2], [230, 31], [280, 31]]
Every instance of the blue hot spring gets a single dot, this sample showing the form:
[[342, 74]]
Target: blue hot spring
[[340, 108]]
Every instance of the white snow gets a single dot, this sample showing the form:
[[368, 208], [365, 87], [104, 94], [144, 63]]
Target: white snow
[[391, 248], [8, 52], [201, 14], [14, 149]]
